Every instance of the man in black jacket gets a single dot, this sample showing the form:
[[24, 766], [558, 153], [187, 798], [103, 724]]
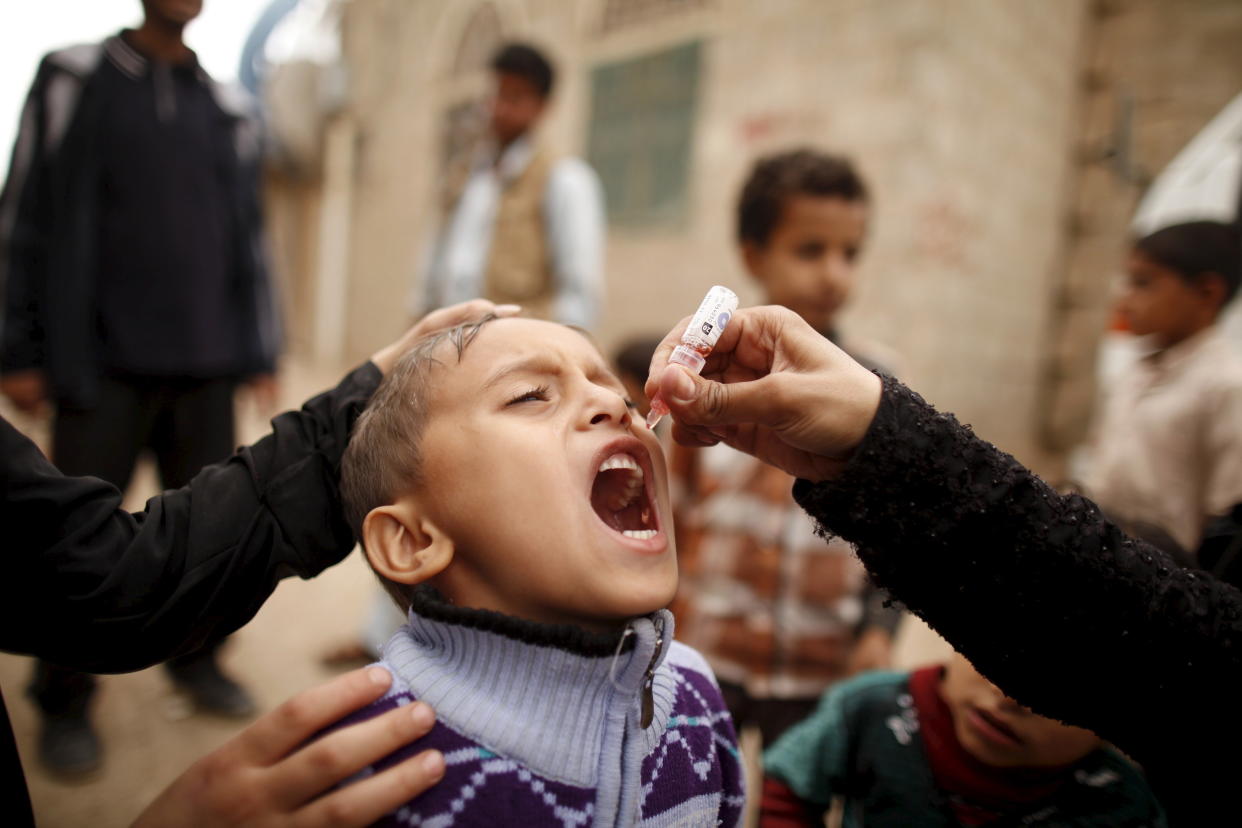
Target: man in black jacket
[[137, 295], [91, 587]]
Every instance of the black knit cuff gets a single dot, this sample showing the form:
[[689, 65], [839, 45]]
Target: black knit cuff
[[428, 602]]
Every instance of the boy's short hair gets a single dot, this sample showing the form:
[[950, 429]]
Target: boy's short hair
[[775, 179], [1195, 248], [382, 461], [525, 61]]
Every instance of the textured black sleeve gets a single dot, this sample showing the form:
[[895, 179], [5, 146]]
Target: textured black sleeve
[[1051, 601], [90, 586]]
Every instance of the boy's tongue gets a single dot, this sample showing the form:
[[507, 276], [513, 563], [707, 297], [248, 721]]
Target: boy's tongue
[[618, 495]]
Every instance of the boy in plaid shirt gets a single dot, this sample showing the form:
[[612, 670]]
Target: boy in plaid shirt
[[778, 613]]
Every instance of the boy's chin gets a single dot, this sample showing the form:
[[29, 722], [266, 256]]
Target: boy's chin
[[620, 614]]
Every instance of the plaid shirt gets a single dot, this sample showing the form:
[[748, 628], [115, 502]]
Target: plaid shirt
[[773, 607]]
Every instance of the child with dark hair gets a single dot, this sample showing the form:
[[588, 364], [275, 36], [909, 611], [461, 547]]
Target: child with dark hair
[[521, 60], [801, 223], [778, 613], [943, 747], [1168, 450], [632, 360], [511, 501]]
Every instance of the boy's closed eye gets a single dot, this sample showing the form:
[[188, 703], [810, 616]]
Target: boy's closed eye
[[539, 394]]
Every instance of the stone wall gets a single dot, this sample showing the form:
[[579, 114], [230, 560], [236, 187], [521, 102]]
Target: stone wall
[[965, 116], [1157, 73]]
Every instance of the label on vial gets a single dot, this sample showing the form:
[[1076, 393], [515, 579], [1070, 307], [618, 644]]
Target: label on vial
[[709, 321]]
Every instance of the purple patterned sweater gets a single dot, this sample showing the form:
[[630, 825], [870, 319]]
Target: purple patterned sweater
[[543, 725]]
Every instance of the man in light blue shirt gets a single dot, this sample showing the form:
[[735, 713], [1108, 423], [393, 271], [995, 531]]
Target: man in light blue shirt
[[527, 227]]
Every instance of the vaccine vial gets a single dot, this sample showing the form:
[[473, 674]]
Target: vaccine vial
[[709, 321]]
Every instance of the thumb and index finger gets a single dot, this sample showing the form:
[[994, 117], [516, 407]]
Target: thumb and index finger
[[696, 401], [750, 339]]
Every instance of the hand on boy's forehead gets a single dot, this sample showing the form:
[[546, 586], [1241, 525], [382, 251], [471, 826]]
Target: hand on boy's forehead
[[513, 352]]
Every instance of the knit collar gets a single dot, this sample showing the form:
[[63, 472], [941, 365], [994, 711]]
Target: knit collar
[[428, 604], [541, 694], [135, 65]]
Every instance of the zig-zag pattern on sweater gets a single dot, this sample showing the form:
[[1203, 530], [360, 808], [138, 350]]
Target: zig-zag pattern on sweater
[[686, 777]]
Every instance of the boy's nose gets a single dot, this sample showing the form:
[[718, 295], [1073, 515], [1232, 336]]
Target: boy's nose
[[836, 270], [609, 407]]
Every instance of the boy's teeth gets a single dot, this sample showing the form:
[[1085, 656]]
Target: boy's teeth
[[621, 461], [640, 534], [633, 488]]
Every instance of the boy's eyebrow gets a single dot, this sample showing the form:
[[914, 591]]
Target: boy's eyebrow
[[530, 365], [539, 364]]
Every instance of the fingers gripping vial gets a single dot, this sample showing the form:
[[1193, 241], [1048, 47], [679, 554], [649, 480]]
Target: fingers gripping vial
[[709, 321]]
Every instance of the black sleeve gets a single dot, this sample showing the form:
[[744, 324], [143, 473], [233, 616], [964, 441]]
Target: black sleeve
[[92, 587], [1051, 601], [23, 237], [265, 304]]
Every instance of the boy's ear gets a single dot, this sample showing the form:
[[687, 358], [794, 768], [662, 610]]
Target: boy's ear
[[1213, 288], [403, 545]]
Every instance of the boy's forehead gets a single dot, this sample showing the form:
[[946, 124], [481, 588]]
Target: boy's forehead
[[505, 344], [815, 210]]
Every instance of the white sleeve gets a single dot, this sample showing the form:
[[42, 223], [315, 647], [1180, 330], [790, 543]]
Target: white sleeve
[[1223, 440], [574, 211]]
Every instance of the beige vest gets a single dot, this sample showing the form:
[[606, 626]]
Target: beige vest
[[519, 267]]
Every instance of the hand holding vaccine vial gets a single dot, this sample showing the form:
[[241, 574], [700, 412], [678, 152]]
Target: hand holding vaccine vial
[[709, 321]]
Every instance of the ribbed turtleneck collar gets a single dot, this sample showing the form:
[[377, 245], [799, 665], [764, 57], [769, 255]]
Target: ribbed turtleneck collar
[[135, 64], [426, 602], [541, 694]]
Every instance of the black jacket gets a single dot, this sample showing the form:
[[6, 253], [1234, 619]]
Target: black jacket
[[1062, 610], [49, 226], [92, 587]]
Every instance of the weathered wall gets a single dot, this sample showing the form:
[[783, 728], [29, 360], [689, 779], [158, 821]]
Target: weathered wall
[[965, 115]]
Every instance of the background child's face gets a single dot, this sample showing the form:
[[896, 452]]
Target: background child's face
[[808, 262], [516, 437], [998, 731], [515, 107], [1156, 301]]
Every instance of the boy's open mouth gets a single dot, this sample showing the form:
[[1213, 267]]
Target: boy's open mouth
[[619, 497]]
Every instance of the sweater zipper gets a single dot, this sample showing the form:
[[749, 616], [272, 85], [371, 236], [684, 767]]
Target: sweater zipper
[[648, 692]]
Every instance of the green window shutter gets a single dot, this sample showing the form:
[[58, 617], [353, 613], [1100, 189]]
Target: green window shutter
[[641, 134]]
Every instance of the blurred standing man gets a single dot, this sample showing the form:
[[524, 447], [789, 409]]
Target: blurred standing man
[[136, 292], [527, 227]]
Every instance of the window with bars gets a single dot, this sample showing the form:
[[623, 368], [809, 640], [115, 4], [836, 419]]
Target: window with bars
[[641, 134]]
